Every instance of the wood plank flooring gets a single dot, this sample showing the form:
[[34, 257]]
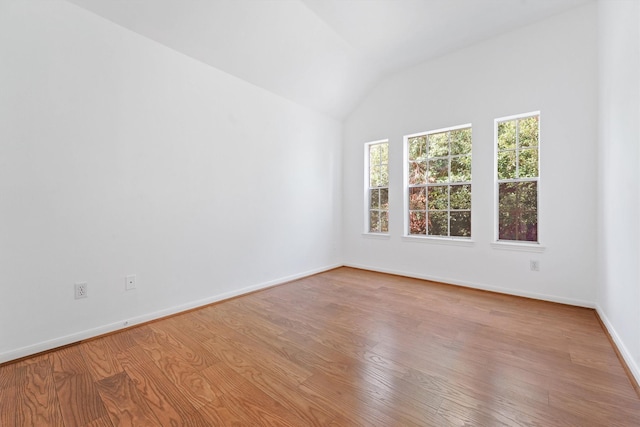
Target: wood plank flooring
[[342, 348]]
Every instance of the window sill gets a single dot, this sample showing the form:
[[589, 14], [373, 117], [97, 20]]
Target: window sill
[[439, 240], [378, 236], [522, 247]]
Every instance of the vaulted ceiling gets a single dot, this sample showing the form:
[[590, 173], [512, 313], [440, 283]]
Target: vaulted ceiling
[[323, 54]]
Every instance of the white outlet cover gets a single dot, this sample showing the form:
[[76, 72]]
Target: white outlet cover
[[80, 290], [130, 282], [534, 265]]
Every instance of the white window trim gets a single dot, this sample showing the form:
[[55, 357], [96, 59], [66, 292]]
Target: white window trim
[[406, 236], [515, 245], [366, 187], [439, 240], [376, 236]]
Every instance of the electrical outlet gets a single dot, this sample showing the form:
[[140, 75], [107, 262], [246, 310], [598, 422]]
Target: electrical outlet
[[534, 265], [80, 290], [130, 282]]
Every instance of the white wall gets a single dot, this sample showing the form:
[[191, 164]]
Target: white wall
[[619, 185], [120, 156], [550, 66]]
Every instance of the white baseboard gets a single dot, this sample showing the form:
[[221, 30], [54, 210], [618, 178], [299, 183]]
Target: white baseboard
[[624, 352], [126, 323], [481, 286]]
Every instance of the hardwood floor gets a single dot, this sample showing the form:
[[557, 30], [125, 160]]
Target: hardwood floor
[[345, 348]]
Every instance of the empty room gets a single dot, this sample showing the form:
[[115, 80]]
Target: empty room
[[319, 212]]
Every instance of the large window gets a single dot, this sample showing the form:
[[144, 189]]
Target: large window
[[438, 177], [517, 148], [377, 186]]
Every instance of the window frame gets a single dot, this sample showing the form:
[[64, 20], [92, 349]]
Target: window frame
[[367, 188], [525, 245], [463, 240]]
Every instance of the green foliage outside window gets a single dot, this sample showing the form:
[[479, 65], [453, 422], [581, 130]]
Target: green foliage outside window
[[518, 172], [378, 188], [439, 179]]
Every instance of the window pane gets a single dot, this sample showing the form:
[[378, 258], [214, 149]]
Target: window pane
[[461, 224], [384, 153], [417, 198], [417, 223], [528, 195], [530, 225], [438, 170], [461, 169], [374, 221], [438, 198], [417, 173], [507, 165], [374, 199], [379, 176], [507, 196], [384, 222], [374, 176], [384, 198], [377, 191], [518, 194], [461, 196], [418, 148], [528, 163], [374, 155], [448, 159], [518, 227], [517, 211], [439, 144], [438, 224], [528, 132], [384, 176], [461, 141], [506, 226], [507, 135]]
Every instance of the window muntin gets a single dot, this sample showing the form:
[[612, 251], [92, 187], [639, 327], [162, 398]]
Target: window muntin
[[439, 183], [517, 173], [377, 187]]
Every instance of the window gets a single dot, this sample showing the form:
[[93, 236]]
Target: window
[[438, 177], [377, 185], [517, 147]]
